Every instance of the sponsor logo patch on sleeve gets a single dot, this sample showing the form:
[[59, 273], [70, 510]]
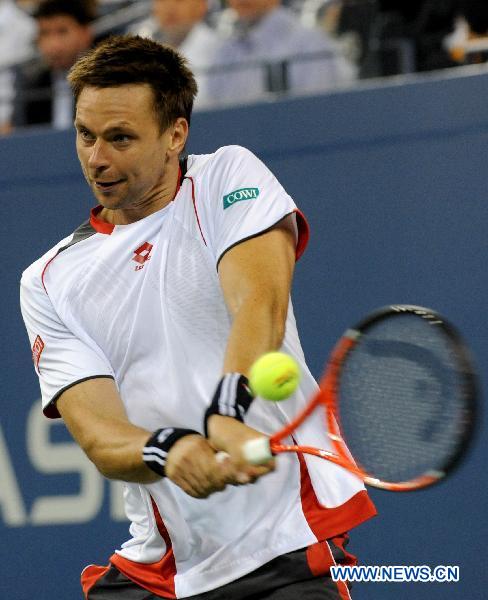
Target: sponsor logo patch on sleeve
[[37, 349], [239, 195]]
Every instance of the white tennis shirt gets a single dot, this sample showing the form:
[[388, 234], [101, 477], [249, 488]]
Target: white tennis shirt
[[142, 303]]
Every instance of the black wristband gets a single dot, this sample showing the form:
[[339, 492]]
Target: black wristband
[[232, 398], [159, 444]]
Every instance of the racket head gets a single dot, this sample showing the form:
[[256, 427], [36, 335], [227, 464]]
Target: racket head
[[402, 388]]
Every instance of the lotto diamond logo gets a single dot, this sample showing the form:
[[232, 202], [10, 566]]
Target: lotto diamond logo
[[37, 349], [141, 255]]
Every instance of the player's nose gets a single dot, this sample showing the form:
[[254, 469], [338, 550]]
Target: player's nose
[[99, 156]]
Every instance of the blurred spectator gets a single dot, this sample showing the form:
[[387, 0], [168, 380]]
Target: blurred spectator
[[267, 49], [64, 33], [409, 36], [17, 31], [349, 22], [468, 43], [181, 24], [29, 6]]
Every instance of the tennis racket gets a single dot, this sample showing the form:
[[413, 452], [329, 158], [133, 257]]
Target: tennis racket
[[398, 394]]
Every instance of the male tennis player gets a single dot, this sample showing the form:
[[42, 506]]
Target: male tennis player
[[144, 323]]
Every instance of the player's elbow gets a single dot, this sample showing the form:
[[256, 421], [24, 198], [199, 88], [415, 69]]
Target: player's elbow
[[105, 468], [97, 455], [105, 464]]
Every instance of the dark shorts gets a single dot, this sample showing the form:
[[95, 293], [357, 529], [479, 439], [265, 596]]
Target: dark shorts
[[299, 574]]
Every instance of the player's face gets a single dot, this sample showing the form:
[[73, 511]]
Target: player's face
[[123, 154], [61, 39]]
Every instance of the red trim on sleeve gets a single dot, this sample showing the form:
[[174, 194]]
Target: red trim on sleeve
[[98, 224], [303, 233], [51, 412], [90, 576], [327, 523], [158, 577], [195, 208]]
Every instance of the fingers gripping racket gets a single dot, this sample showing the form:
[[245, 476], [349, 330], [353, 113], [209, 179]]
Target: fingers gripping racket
[[398, 394]]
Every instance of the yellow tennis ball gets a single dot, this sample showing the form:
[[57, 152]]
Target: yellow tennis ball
[[274, 376]]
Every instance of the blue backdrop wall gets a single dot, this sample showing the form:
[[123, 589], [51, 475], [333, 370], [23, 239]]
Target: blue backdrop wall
[[393, 179]]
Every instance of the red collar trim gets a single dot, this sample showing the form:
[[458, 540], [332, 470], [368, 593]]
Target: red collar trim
[[98, 224], [107, 228]]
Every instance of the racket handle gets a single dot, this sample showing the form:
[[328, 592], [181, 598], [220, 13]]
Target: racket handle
[[257, 451]]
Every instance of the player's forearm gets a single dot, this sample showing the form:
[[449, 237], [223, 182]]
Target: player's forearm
[[258, 327], [96, 418], [256, 278], [119, 455]]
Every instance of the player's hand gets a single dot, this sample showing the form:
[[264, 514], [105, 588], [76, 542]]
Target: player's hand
[[192, 465], [229, 435]]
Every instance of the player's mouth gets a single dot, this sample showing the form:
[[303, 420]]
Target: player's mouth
[[108, 186]]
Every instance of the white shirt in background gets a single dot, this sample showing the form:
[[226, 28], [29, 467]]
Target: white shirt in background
[[314, 61], [199, 47], [17, 31]]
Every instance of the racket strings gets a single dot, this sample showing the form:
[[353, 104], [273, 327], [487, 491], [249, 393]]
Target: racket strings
[[401, 394]]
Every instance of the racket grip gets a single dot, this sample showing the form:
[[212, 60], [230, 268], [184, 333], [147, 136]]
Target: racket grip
[[257, 451]]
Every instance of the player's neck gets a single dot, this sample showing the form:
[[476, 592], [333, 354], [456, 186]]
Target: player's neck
[[156, 199]]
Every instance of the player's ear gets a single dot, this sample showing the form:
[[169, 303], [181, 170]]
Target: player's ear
[[179, 135]]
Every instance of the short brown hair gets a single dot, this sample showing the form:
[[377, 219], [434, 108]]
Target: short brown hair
[[124, 59]]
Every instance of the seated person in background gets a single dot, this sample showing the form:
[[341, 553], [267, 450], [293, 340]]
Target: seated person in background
[[297, 58], [409, 36], [17, 32], [64, 33], [181, 25]]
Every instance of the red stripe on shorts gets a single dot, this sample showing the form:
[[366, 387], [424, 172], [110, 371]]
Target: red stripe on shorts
[[159, 577], [90, 576]]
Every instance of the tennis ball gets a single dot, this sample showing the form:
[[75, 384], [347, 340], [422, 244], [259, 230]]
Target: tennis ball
[[274, 376]]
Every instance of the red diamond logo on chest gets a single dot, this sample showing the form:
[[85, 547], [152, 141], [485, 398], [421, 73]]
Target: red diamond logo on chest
[[141, 255]]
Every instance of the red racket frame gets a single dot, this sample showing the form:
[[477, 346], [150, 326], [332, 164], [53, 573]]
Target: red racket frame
[[327, 398]]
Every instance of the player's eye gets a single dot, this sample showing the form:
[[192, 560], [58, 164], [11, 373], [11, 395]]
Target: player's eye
[[85, 135], [121, 138]]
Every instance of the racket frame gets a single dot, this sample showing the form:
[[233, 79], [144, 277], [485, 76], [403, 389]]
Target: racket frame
[[327, 398]]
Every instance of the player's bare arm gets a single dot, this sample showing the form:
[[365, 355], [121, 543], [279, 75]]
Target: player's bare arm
[[256, 278], [95, 416]]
